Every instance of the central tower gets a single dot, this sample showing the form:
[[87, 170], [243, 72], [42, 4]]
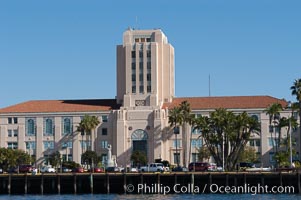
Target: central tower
[[145, 69]]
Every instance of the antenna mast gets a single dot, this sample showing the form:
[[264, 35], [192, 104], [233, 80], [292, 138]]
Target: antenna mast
[[209, 87]]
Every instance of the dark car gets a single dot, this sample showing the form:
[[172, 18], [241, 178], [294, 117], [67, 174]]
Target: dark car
[[179, 169], [244, 165], [199, 166], [25, 168], [12, 170], [112, 169], [78, 170], [96, 170]]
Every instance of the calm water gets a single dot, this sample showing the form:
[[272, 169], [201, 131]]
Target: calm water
[[152, 197]]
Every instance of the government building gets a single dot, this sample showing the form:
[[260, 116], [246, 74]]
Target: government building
[[137, 119]]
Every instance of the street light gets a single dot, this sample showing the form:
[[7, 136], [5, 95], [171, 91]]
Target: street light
[[195, 152], [176, 132], [290, 134]]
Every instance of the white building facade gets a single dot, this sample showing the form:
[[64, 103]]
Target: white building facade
[[137, 119]]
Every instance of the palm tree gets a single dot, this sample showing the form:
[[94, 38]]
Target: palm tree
[[274, 116], [87, 125], [296, 91], [187, 119], [175, 119]]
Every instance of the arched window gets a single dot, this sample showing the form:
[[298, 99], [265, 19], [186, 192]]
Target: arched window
[[30, 127], [139, 134], [48, 126], [67, 126]]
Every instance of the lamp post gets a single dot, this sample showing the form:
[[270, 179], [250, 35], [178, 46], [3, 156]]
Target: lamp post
[[290, 134], [176, 132], [195, 152]]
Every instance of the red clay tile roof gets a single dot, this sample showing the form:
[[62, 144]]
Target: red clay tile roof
[[62, 106], [228, 102]]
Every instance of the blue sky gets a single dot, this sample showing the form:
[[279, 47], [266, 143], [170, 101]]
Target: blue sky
[[67, 49]]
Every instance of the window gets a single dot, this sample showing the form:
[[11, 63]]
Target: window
[[104, 158], [9, 120], [30, 127], [196, 143], [148, 65], [271, 129], [140, 54], [148, 77], [148, 39], [48, 145], [255, 117], [9, 133], [67, 125], [85, 144], [141, 78], [104, 131], [134, 89], [48, 126], [30, 145], [251, 143], [194, 157], [271, 157], [12, 145], [176, 157], [257, 143], [133, 67], [149, 89], [195, 130], [15, 120], [133, 77], [177, 143], [141, 89], [141, 67], [272, 141], [133, 54], [104, 118], [148, 54], [16, 132], [104, 144]]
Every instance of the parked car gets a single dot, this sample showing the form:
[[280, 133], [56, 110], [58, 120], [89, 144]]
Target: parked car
[[66, 170], [153, 167], [212, 167], [78, 170], [245, 165], [96, 170], [113, 169], [25, 168], [47, 169], [12, 170], [179, 169], [198, 166]]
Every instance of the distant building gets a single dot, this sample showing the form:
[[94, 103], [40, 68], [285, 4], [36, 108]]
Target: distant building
[[136, 120]]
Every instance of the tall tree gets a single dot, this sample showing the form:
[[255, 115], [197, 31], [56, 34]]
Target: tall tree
[[90, 157], [274, 116], [175, 119], [186, 139], [88, 125], [296, 91], [138, 158], [55, 159], [226, 134]]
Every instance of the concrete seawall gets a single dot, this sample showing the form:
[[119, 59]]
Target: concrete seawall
[[136, 183]]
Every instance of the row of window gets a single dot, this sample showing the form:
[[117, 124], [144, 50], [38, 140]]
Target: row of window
[[49, 128], [148, 54], [195, 143], [31, 145]]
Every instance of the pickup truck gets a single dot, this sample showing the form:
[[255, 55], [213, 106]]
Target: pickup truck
[[153, 167]]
